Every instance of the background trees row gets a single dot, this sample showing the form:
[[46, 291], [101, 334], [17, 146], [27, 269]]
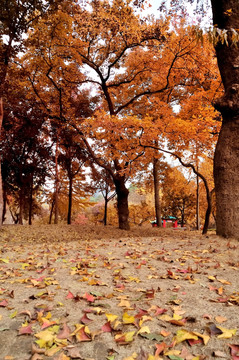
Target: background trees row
[[95, 86]]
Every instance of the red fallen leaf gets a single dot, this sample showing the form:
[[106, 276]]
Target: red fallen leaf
[[81, 335], [88, 297], [182, 271], [65, 332], [24, 330], [4, 303], [178, 322], [40, 278], [106, 327], [47, 323], [160, 348], [222, 300], [194, 342], [150, 294], [160, 311], [234, 351], [141, 313], [70, 295], [120, 286], [85, 319]]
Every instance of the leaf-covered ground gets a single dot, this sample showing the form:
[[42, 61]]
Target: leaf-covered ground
[[73, 292]]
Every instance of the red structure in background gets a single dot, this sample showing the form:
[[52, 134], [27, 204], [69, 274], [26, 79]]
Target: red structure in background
[[170, 219]]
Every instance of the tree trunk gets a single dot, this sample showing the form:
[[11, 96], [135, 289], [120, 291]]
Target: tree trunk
[[1, 190], [156, 192], [56, 185], [70, 200], [122, 202], [30, 203], [105, 208], [21, 202], [226, 174], [226, 160], [4, 205], [197, 199], [51, 212]]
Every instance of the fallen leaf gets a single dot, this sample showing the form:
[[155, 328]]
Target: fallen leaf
[[25, 329], [183, 335], [234, 351], [125, 338], [128, 319], [220, 354], [226, 333], [220, 319], [160, 348]]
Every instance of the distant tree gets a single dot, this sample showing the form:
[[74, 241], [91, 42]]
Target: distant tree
[[178, 196], [102, 181], [24, 149]]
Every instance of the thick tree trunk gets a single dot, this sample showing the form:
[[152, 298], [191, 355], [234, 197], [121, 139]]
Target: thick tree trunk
[[197, 199], [122, 203], [156, 192], [226, 173], [105, 208], [56, 185], [105, 212], [4, 205], [1, 189], [69, 201], [226, 160]]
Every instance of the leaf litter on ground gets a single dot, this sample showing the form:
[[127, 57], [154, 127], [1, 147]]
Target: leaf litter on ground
[[100, 293]]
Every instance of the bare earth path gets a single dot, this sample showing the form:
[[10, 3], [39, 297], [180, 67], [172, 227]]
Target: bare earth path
[[75, 292]]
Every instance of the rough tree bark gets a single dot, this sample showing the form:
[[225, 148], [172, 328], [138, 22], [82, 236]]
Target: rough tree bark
[[122, 202], [226, 160], [1, 189], [70, 200]]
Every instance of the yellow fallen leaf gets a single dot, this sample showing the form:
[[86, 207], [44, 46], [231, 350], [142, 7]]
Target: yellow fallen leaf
[[225, 282], [125, 303], [177, 317], [128, 319], [226, 333], [111, 317], [144, 329], [166, 317], [152, 357], [53, 350], [132, 357], [144, 318], [13, 315], [173, 352], [135, 279], [183, 335], [205, 337], [6, 261], [212, 278], [124, 338]]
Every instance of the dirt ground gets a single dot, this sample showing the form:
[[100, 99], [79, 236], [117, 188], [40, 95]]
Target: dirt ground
[[99, 293]]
